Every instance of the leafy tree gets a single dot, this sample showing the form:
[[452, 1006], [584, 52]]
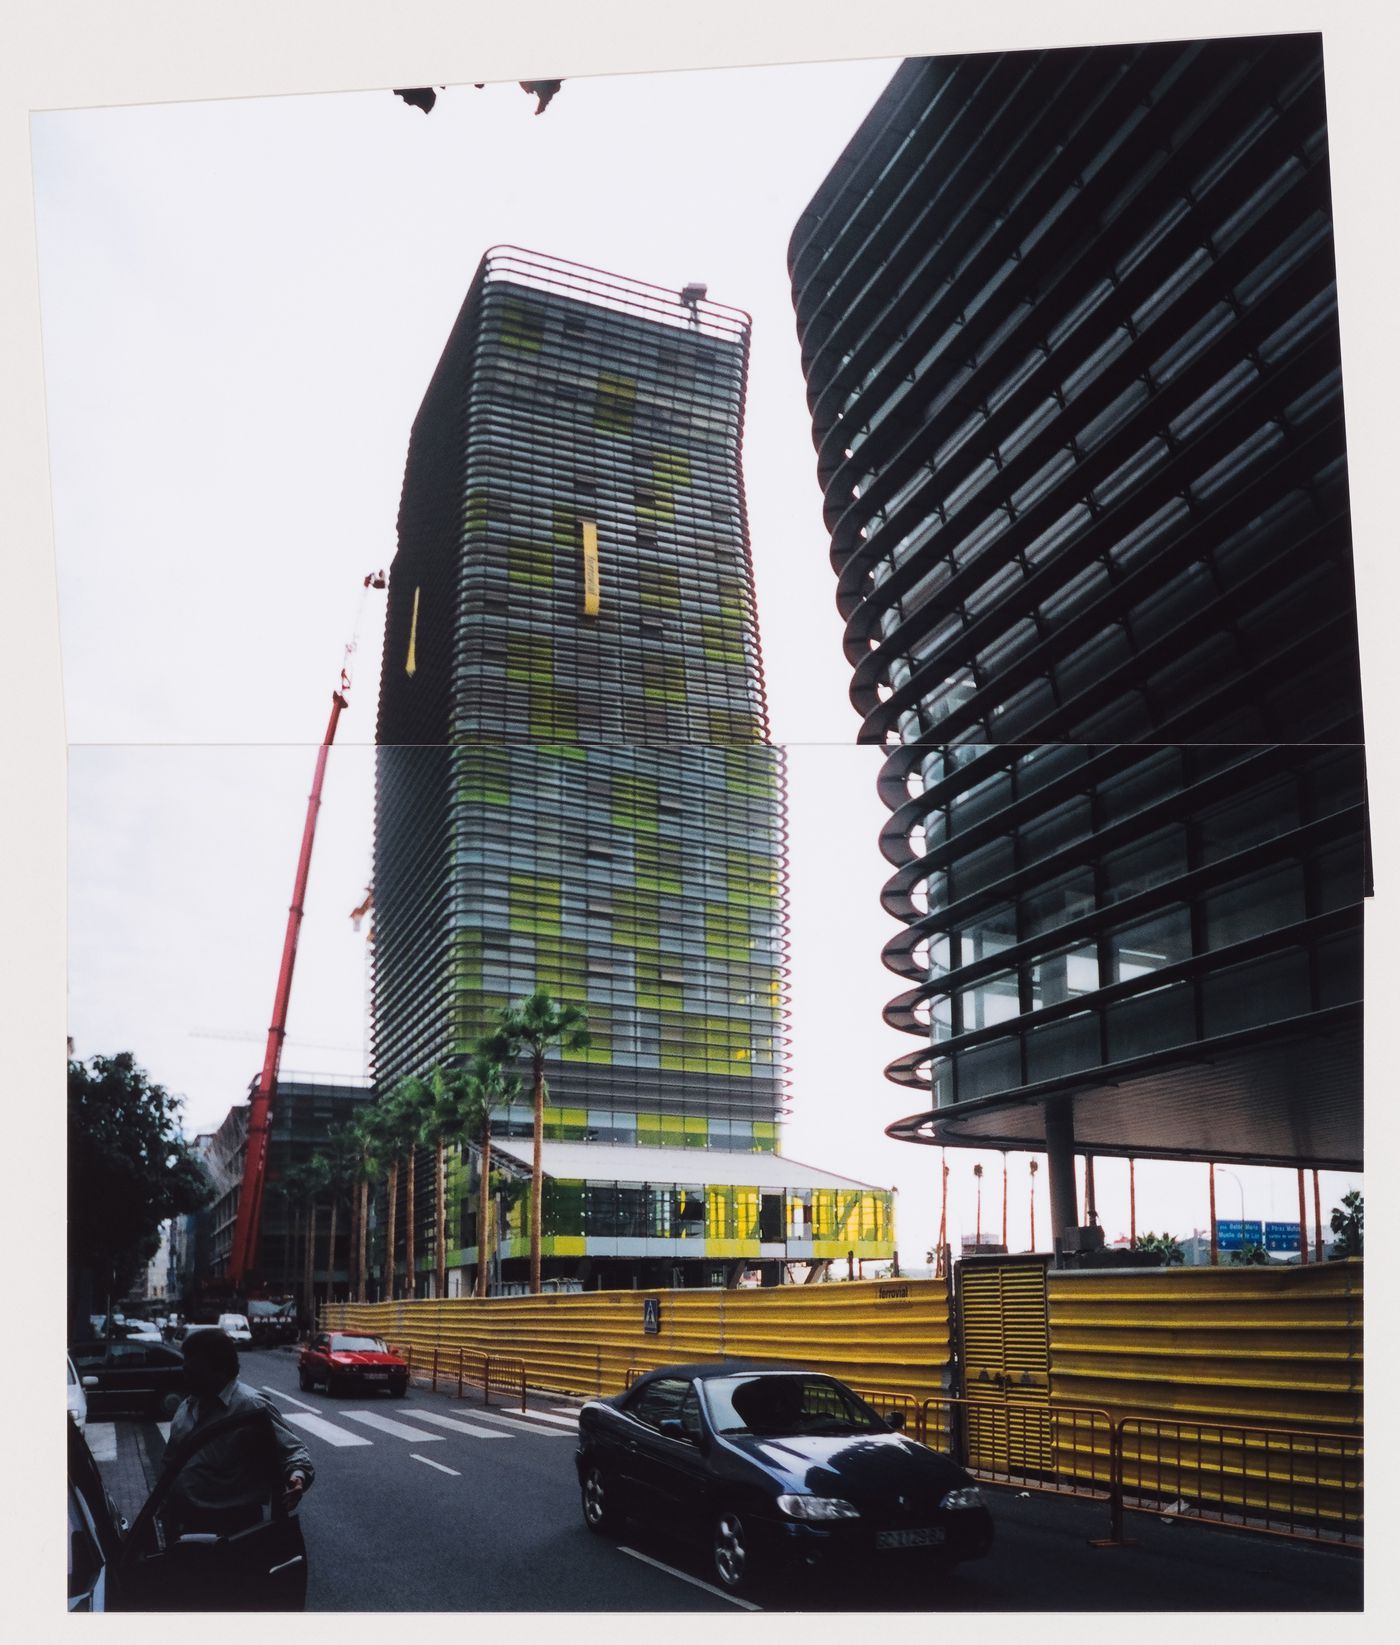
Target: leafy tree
[[537, 1025], [1347, 1223], [1164, 1246], [129, 1170]]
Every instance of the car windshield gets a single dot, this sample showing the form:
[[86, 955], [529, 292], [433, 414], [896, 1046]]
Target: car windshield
[[784, 1406], [357, 1345]]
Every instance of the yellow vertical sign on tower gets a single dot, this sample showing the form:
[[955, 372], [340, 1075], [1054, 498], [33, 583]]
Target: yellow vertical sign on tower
[[590, 569], [411, 661]]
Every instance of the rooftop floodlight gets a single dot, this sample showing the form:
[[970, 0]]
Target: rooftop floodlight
[[692, 296]]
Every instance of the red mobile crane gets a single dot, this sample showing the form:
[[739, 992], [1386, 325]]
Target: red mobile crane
[[243, 1256]]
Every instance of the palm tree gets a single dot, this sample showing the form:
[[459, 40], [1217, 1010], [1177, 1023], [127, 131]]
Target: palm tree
[[396, 1125], [943, 1212], [368, 1170], [538, 1025], [413, 1099], [337, 1163], [301, 1184], [484, 1086], [444, 1122], [1349, 1223], [977, 1172]]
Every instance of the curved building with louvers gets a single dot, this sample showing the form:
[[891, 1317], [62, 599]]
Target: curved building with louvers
[[1069, 326], [575, 792]]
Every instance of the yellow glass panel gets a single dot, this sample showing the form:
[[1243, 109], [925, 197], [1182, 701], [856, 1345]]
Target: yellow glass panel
[[590, 569]]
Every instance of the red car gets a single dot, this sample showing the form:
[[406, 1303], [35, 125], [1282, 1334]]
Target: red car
[[351, 1364]]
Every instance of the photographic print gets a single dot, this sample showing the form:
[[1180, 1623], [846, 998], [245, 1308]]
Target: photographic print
[[718, 826]]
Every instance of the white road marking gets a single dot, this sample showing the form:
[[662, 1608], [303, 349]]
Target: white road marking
[[517, 1426], [326, 1430], [269, 1389], [102, 1441], [387, 1425], [459, 1426], [442, 1466], [570, 1422], [695, 1582]]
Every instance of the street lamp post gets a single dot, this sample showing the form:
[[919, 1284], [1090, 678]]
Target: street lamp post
[[1225, 1172]]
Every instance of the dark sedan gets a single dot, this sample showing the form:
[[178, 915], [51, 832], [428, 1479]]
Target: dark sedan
[[774, 1468], [128, 1377]]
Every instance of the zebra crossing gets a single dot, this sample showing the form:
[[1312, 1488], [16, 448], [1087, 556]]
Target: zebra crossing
[[418, 1425]]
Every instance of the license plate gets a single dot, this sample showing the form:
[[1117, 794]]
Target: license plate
[[928, 1536], [376, 1376]]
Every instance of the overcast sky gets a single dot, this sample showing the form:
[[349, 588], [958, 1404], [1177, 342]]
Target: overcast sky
[[242, 304]]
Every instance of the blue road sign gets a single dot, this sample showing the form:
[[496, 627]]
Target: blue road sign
[[651, 1316], [1234, 1236], [1282, 1236]]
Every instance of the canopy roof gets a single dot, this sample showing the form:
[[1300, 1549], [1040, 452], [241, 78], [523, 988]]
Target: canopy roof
[[614, 1162]]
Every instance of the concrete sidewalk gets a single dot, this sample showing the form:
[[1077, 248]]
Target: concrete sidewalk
[[130, 1476]]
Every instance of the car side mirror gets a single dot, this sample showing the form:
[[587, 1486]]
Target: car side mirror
[[89, 1382], [895, 1420]]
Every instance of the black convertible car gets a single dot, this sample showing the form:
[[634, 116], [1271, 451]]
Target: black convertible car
[[773, 1468]]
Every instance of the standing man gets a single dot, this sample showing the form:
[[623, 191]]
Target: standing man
[[223, 1487]]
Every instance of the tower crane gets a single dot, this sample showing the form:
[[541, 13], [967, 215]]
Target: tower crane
[[243, 1256]]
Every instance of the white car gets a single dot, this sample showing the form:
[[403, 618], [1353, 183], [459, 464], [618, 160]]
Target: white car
[[141, 1330], [237, 1329], [77, 1399]]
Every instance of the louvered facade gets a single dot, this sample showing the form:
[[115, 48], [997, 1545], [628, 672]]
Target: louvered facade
[[1069, 325], [575, 790]]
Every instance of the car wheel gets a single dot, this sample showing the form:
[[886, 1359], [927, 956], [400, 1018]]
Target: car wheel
[[732, 1552], [400, 1391], [306, 1383], [334, 1387], [599, 1507]]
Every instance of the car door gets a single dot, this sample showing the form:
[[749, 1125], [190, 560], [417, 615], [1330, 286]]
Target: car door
[[671, 1469], [128, 1377], [318, 1356], [261, 1568], [90, 1362], [636, 1421]]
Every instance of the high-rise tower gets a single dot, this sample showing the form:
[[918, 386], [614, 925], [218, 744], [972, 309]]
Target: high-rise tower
[[575, 792], [1070, 332]]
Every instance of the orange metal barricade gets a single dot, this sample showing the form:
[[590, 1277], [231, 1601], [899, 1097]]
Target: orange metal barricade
[[505, 1374], [1064, 1450], [1276, 1481], [471, 1367], [887, 1404]]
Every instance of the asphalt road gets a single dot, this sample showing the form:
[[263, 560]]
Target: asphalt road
[[440, 1519]]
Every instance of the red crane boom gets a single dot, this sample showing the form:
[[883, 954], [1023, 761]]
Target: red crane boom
[[248, 1227]]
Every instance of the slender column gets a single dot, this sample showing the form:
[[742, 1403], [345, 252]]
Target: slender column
[[1059, 1148], [1302, 1218], [1317, 1215], [1214, 1237]]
